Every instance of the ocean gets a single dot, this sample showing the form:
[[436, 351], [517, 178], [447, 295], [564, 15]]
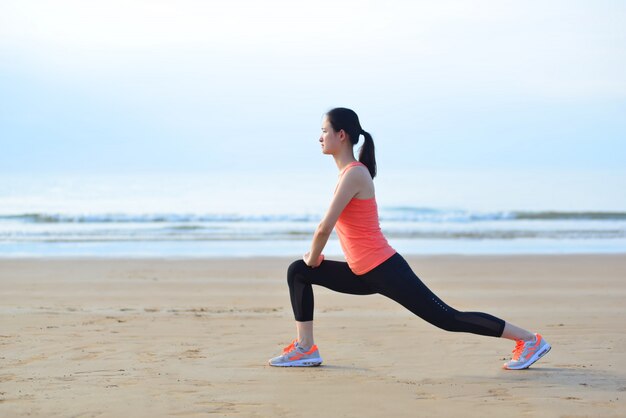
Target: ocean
[[213, 216]]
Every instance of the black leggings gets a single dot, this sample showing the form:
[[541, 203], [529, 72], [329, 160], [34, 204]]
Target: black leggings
[[394, 279]]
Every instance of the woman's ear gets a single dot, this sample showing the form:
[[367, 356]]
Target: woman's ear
[[342, 135]]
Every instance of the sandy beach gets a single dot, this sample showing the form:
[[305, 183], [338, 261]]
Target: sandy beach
[[149, 338]]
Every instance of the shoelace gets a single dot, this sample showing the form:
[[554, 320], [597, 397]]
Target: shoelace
[[519, 347], [290, 347]]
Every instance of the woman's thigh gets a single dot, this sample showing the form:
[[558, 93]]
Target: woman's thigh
[[337, 276], [396, 280]]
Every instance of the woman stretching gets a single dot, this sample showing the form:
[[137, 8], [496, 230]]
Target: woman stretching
[[372, 265]]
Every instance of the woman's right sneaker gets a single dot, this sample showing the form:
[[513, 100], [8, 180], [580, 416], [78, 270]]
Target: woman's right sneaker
[[527, 352], [296, 356]]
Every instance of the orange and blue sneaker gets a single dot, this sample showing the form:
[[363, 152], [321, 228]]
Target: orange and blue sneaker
[[295, 355], [527, 352]]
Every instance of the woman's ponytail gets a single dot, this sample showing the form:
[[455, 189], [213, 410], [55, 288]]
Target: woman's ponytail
[[366, 153]]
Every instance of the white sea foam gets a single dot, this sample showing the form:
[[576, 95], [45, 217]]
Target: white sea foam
[[204, 216]]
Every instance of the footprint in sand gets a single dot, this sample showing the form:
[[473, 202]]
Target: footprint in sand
[[30, 360], [7, 377], [86, 355], [193, 353], [148, 357], [499, 393]]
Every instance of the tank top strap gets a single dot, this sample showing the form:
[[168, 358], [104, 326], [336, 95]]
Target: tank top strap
[[346, 168]]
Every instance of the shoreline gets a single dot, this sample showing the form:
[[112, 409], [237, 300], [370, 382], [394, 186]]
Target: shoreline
[[339, 257]]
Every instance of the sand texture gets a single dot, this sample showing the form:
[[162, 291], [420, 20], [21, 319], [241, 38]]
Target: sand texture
[[191, 338]]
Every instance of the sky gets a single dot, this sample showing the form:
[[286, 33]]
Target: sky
[[448, 87]]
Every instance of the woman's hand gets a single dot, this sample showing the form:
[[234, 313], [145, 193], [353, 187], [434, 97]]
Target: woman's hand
[[313, 264]]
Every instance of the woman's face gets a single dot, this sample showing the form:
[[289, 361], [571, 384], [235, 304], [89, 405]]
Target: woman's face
[[330, 140]]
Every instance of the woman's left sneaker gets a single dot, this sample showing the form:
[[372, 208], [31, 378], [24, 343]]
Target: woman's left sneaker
[[296, 356], [527, 352]]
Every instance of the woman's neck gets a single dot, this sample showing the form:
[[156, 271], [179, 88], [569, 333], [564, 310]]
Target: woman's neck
[[343, 159]]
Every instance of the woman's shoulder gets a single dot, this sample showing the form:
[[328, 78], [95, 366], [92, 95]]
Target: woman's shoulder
[[355, 170], [358, 176], [350, 166]]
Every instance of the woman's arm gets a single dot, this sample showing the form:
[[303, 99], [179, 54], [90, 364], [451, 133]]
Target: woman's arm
[[349, 185]]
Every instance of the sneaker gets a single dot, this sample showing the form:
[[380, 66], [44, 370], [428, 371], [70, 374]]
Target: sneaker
[[295, 356], [527, 352], [290, 346]]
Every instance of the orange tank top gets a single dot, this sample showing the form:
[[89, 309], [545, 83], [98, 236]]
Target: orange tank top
[[363, 243]]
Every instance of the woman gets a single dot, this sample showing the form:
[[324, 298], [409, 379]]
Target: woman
[[372, 265]]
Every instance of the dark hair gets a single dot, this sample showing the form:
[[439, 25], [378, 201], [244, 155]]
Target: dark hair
[[346, 119]]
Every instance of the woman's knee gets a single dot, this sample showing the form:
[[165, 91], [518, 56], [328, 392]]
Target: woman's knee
[[294, 269]]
